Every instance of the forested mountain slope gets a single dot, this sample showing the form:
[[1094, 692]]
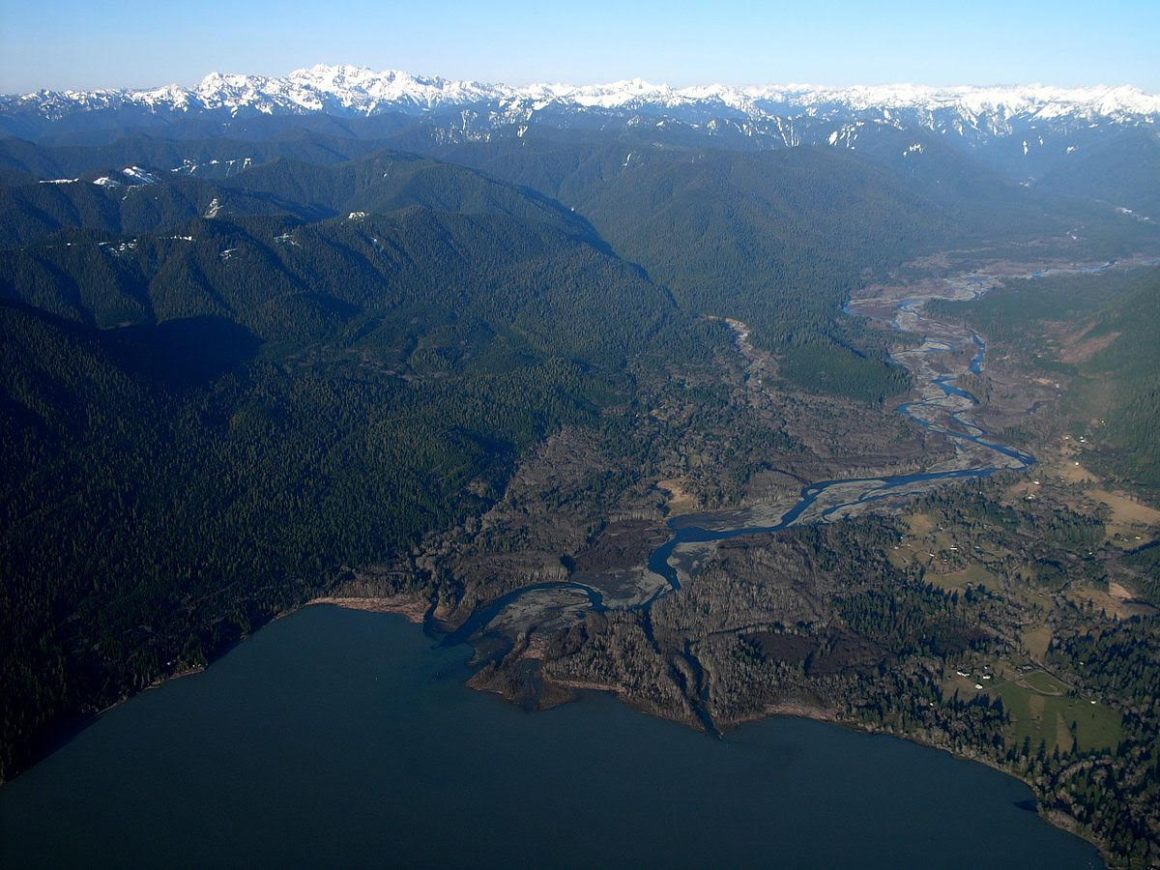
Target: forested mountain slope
[[204, 425]]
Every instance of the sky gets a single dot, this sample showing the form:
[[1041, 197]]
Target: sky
[[60, 44]]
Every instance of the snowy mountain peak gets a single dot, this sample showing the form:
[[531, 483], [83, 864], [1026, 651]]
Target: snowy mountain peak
[[776, 111]]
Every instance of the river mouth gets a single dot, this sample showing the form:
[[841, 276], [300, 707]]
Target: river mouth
[[948, 351], [937, 403]]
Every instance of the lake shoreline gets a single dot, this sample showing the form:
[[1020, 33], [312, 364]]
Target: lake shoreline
[[568, 691], [415, 609]]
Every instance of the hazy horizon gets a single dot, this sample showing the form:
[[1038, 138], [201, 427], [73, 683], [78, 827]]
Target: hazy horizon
[[67, 44], [675, 85]]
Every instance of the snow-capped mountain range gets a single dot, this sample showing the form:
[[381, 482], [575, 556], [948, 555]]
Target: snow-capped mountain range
[[360, 91], [1023, 130]]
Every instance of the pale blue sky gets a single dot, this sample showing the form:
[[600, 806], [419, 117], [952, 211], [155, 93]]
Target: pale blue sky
[[68, 43]]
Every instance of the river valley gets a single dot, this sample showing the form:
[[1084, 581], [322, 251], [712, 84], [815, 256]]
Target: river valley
[[947, 351], [349, 737]]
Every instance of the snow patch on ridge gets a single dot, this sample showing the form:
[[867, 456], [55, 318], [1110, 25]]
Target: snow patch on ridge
[[139, 175]]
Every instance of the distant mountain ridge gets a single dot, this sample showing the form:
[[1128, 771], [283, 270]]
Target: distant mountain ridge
[[359, 90], [350, 90], [1022, 131]]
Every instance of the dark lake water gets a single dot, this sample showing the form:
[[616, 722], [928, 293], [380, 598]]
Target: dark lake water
[[340, 738]]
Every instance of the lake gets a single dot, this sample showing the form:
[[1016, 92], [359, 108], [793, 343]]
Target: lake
[[343, 738]]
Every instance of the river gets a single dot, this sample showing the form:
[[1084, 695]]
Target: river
[[943, 407], [947, 352]]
